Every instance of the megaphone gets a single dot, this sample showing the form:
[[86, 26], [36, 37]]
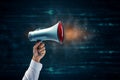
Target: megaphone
[[54, 33]]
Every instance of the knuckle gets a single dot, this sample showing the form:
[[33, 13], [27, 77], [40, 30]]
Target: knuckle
[[44, 51], [43, 44], [43, 48], [33, 47], [39, 51]]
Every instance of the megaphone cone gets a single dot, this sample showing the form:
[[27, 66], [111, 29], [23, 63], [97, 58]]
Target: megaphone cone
[[54, 33]]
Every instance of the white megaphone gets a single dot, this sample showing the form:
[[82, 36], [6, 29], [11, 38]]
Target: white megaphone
[[54, 33]]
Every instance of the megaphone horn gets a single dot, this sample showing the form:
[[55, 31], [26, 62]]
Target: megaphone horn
[[54, 33]]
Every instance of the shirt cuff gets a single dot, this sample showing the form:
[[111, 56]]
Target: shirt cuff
[[35, 65]]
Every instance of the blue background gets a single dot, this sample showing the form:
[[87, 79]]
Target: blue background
[[97, 58]]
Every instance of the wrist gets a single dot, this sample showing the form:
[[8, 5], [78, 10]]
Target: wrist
[[36, 59]]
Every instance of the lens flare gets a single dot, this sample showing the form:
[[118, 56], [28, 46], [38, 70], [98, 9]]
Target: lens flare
[[74, 33]]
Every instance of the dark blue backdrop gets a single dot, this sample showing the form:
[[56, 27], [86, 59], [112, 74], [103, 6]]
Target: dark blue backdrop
[[95, 59]]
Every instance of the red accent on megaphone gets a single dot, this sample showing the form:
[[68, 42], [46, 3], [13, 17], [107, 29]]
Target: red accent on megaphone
[[60, 32]]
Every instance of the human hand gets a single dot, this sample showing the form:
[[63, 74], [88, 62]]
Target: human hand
[[38, 51]]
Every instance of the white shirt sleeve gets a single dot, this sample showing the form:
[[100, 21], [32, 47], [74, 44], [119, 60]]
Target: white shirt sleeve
[[33, 71]]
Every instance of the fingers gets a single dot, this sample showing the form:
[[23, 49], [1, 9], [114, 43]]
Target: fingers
[[38, 51], [41, 50], [36, 45], [42, 53], [41, 45]]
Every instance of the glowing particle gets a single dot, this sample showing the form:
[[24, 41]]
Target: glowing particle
[[50, 12], [50, 69]]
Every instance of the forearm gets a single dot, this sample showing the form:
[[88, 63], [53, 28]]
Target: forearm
[[33, 71]]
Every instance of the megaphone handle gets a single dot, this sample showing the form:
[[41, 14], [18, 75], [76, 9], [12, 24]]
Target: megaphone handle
[[39, 41]]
